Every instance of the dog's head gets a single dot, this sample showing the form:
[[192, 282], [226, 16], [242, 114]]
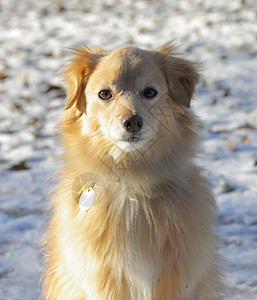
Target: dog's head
[[123, 94]]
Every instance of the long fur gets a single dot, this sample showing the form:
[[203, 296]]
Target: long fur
[[150, 233]]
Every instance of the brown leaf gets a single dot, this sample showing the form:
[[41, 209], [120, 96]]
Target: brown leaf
[[214, 101], [245, 139], [60, 7], [231, 145], [19, 166], [58, 89], [142, 29], [3, 73], [27, 99], [50, 53], [33, 120], [17, 106], [209, 23], [248, 126]]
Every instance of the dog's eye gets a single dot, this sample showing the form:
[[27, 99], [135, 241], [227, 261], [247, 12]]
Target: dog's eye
[[105, 95], [149, 93]]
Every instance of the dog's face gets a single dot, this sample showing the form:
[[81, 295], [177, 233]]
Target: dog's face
[[121, 93]]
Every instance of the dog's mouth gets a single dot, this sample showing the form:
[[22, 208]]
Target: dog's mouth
[[130, 138], [130, 141]]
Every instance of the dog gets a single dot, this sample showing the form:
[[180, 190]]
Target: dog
[[132, 217]]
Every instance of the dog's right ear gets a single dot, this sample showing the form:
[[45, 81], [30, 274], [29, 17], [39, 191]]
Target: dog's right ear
[[76, 74]]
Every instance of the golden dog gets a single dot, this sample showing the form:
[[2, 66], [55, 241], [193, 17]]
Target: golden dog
[[130, 139]]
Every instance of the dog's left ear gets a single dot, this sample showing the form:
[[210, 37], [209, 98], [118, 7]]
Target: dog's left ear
[[181, 75], [76, 74]]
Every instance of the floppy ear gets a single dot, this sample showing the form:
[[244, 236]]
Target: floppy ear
[[76, 74], [181, 75]]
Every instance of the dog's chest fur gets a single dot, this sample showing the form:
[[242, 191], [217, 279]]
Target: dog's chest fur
[[130, 243]]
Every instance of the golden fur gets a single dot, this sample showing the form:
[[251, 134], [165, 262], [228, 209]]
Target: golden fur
[[150, 233]]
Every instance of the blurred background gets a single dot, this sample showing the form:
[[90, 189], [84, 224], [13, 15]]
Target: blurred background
[[35, 38]]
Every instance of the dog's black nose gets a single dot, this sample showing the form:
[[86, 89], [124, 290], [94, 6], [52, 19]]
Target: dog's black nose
[[132, 123]]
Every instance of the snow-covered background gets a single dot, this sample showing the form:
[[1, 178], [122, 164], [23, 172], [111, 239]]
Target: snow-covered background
[[34, 38]]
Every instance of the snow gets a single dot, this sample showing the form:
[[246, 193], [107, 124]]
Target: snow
[[34, 40]]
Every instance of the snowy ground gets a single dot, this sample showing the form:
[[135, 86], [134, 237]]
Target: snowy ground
[[34, 37]]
